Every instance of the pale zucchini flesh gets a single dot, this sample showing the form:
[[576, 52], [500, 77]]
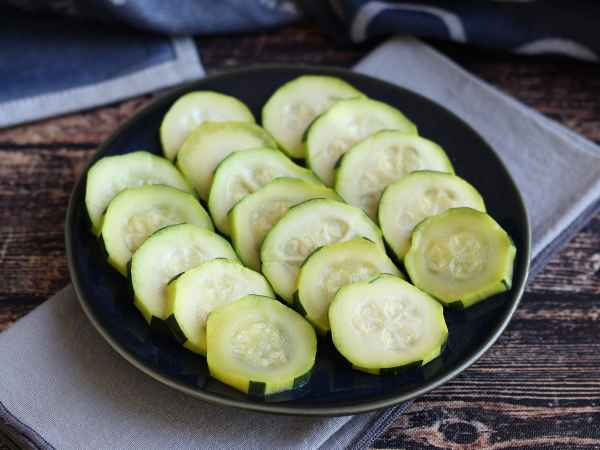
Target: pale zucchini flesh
[[303, 229], [330, 268], [254, 215], [417, 196], [260, 346], [166, 254], [193, 109], [199, 291], [211, 143], [386, 324], [381, 159], [344, 125], [293, 107], [242, 173], [461, 257], [135, 213], [112, 174]]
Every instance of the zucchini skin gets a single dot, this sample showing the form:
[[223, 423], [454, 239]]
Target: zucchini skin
[[212, 142], [289, 92], [260, 378], [344, 115], [375, 364], [364, 160], [294, 190], [214, 247], [221, 200], [348, 262], [503, 282], [178, 291], [406, 368], [258, 389], [154, 169], [393, 201], [361, 225], [176, 329], [236, 110]]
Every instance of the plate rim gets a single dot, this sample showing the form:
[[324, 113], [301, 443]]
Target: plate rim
[[274, 408]]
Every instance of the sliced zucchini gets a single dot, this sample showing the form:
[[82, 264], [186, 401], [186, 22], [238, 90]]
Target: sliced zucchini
[[293, 107], [254, 215], [192, 296], [417, 196], [379, 160], [242, 173], [303, 229], [193, 109], [345, 124], [461, 257], [329, 268], [112, 174], [169, 252], [384, 325], [210, 143], [136, 213], [260, 346]]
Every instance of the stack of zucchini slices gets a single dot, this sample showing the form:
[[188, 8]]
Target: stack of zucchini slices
[[299, 249]]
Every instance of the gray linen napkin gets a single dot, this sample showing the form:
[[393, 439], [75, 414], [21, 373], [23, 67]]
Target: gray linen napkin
[[63, 387], [557, 170]]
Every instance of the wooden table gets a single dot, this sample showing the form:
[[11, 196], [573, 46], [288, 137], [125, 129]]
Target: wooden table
[[538, 387]]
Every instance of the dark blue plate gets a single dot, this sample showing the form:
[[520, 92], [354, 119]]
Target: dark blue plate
[[334, 388]]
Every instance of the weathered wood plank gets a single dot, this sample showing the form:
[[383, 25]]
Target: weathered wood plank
[[87, 128], [34, 193], [538, 387], [472, 424]]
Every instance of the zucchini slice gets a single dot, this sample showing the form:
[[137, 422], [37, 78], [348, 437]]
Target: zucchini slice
[[385, 325], [210, 143], [293, 107], [254, 215], [303, 229], [136, 213], [112, 174], [192, 296], [417, 196], [242, 173], [379, 160], [167, 253], [345, 124], [333, 266], [461, 257], [260, 346], [193, 109]]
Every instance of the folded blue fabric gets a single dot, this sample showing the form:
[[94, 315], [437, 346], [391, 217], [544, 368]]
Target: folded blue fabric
[[532, 27], [178, 17], [50, 66]]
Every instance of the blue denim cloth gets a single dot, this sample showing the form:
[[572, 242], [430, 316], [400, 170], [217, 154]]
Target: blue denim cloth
[[54, 65], [532, 27], [172, 17], [64, 54], [51, 51]]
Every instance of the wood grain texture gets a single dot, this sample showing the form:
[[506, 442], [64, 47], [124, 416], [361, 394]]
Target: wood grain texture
[[538, 387]]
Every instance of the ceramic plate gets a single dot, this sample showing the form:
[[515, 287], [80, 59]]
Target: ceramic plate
[[334, 388]]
